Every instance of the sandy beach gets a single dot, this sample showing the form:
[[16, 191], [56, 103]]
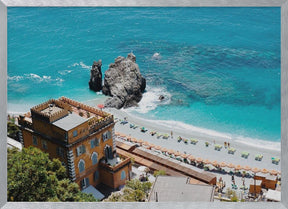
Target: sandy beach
[[198, 150]]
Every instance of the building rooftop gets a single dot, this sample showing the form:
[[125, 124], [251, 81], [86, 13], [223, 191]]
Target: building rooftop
[[70, 121], [51, 110], [171, 188]]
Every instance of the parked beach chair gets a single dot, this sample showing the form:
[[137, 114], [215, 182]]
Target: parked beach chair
[[165, 136], [258, 157], [218, 147], [185, 141], [275, 160], [179, 139], [159, 135], [135, 126], [193, 141], [153, 133], [123, 122], [143, 129], [231, 150], [131, 125], [245, 154]]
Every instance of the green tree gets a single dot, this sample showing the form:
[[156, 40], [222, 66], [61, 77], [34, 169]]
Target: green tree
[[159, 173], [12, 130], [32, 176], [134, 191]]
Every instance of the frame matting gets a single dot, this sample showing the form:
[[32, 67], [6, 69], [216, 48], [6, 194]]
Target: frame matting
[[140, 3]]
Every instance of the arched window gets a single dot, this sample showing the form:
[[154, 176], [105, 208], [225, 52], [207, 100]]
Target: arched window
[[94, 158], [81, 165], [123, 175]]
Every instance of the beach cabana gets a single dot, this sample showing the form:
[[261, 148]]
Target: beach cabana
[[255, 186]]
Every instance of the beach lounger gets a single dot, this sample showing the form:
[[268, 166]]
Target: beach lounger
[[231, 150], [258, 157], [143, 129], [218, 147], [131, 125], [275, 160], [179, 139], [159, 135], [193, 141], [123, 122], [245, 154], [165, 136], [234, 186]]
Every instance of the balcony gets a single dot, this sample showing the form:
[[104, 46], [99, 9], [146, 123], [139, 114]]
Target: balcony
[[114, 164]]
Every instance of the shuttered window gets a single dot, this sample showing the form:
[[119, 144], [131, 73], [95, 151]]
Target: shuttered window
[[94, 158], [80, 150], [107, 135], [123, 175], [94, 143], [60, 151], [44, 144], [81, 165]]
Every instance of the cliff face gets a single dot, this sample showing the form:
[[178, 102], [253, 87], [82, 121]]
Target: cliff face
[[95, 82], [124, 83]]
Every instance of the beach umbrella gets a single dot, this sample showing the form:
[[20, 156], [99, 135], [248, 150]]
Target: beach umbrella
[[123, 135], [133, 140], [223, 164], [163, 149], [140, 141], [238, 167], [145, 143], [157, 147], [247, 168], [231, 165], [264, 170], [273, 172], [191, 157], [199, 160], [184, 155], [117, 133], [206, 161], [178, 153], [255, 170], [215, 163], [171, 151], [101, 106]]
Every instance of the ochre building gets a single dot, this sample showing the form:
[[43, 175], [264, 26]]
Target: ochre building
[[81, 137]]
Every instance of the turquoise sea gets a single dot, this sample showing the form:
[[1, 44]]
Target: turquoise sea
[[218, 68]]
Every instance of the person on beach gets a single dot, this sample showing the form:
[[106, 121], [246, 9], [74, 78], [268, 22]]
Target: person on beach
[[228, 145], [233, 179], [172, 134], [225, 145]]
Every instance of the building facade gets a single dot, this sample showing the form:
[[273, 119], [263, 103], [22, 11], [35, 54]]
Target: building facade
[[81, 137]]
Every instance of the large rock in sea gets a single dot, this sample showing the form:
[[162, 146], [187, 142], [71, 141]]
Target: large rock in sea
[[124, 83], [95, 82]]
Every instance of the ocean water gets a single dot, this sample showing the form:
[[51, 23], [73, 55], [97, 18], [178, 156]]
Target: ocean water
[[218, 68]]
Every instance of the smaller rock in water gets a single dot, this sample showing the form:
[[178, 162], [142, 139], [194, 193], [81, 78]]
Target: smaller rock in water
[[95, 82], [161, 97]]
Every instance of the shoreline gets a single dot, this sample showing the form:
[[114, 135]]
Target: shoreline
[[198, 150]]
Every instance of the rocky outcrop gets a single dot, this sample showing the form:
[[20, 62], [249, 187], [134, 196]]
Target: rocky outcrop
[[124, 83], [95, 82]]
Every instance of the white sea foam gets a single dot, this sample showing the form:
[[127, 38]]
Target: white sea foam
[[64, 72], [150, 99], [259, 143], [156, 55], [34, 77], [84, 66]]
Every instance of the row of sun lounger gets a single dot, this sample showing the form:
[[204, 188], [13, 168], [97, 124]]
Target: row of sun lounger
[[218, 147]]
